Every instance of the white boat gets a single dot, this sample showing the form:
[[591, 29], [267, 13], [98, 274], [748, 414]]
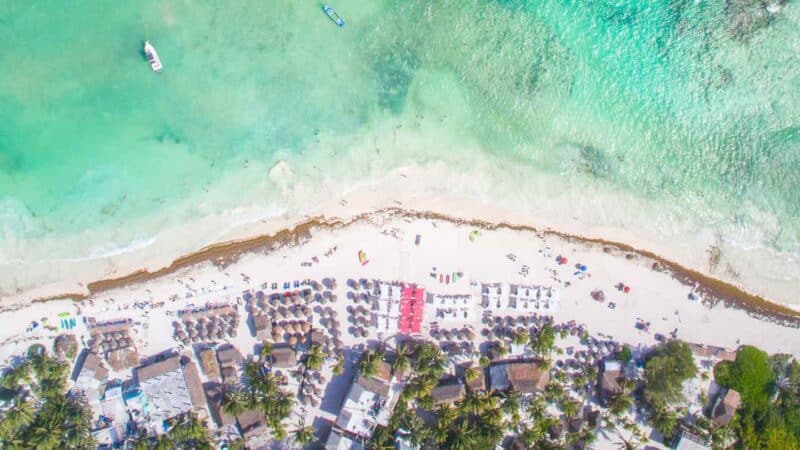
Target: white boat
[[152, 57], [333, 15]]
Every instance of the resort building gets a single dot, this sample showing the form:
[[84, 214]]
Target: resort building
[[725, 407], [115, 418], [230, 359], [214, 394], [168, 389], [208, 364], [369, 402], [507, 298], [283, 356], [448, 392], [610, 380], [90, 380], [251, 424], [526, 376], [337, 440], [688, 440]]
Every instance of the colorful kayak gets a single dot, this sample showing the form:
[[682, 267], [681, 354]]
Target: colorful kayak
[[334, 16]]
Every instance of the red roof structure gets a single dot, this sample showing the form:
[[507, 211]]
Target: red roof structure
[[411, 304]]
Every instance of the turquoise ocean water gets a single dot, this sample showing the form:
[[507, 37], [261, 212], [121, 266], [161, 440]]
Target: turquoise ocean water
[[693, 104]]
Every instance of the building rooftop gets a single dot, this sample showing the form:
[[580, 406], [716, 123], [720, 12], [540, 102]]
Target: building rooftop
[[157, 369], [726, 406], [448, 392], [229, 356], [251, 422], [208, 363], [526, 376], [214, 394], [283, 356]]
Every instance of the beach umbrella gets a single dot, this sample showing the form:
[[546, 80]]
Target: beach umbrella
[[297, 300], [368, 285], [292, 340], [334, 298], [277, 329], [306, 327], [461, 335], [301, 338], [470, 334], [364, 332]]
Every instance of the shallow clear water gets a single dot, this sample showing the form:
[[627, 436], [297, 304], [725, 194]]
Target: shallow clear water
[[691, 104]]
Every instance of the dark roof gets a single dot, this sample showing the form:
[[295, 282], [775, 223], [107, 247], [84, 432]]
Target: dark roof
[[526, 376], [726, 407], [93, 362], [447, 393], [373, 385], [214, 395], [574, 424], [229, 374], [208, 363], [251, 422], [153, 370], [283, 356], [384, 371], [229, 356], [194, 386], [610, 379]]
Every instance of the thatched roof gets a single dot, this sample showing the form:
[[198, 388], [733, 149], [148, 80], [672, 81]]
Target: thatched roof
[[448, 393]]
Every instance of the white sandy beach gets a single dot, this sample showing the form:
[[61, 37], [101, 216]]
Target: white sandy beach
[[655, 296]]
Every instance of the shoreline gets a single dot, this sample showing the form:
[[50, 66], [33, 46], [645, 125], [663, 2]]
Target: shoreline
[[224, 253]]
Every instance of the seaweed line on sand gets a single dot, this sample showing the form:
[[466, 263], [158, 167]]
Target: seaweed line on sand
[[224, 253]]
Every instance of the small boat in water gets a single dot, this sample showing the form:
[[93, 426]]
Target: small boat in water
[[152, 57], [334, 16]]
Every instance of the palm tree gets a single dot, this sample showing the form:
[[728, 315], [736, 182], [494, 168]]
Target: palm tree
[[511, 401], [368, 365], [315, 357], [338, 368], [12, 378], [235, 402], [521, 337], [402, 359], [463, 437], [620, 404], [446, 415], [570, 408], [266, 351], [483, 362], [471, 374], [303, 434]]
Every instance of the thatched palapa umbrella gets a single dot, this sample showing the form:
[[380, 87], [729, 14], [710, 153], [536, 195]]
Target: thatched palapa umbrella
[[292, 340]]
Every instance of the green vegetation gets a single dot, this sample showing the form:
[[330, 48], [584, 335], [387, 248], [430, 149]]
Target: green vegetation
[[769, 416], [665, 371], [315, 357], [750, 374], [368, 364], [43, 416], [625, 355], [186, 431], [303, 435], [262, 393], [544, 340]]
